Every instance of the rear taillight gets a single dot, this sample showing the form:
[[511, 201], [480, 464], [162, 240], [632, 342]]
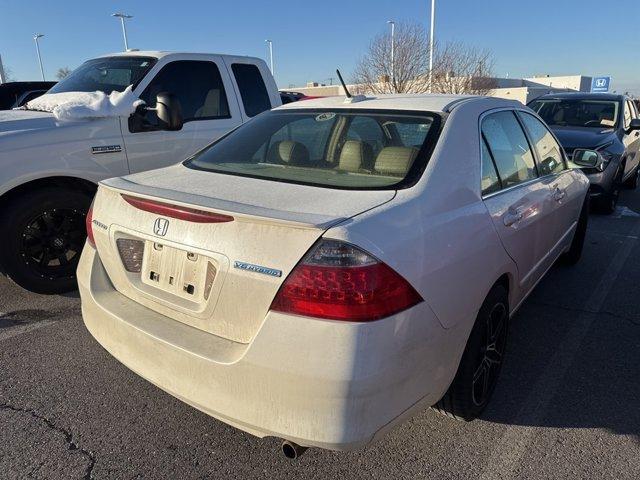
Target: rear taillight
[[339, 281], [89, 225], [176, 211]]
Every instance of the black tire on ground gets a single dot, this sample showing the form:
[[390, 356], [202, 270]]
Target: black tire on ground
[[479, 368], [609, 200], [632, 181], [42, 234], [572, 256]]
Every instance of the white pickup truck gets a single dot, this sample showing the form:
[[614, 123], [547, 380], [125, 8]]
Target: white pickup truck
[[49, 166]]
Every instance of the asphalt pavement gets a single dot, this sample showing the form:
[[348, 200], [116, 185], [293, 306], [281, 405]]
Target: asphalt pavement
[[567, 404]]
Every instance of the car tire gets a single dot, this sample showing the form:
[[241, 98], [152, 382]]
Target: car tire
[[479, 368], [572, 256], [632, 181], [42, 234], [609, 201]]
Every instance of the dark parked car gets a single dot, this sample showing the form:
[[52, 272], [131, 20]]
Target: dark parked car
[[16, 94], [606, 123], [289, 97]]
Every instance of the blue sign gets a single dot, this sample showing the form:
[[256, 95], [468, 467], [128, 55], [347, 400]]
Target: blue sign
[[600, 84]]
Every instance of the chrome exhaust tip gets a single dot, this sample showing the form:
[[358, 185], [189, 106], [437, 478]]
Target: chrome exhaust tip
[[292, 450]]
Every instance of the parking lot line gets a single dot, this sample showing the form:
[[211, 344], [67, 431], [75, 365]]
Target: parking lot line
[[22, 329], [507, 454]]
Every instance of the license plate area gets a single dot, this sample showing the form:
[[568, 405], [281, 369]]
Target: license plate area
[[177, 272]]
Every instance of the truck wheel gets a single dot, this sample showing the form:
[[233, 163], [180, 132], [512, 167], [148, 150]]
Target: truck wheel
[[572, 256], [42, 234], [482, 359]]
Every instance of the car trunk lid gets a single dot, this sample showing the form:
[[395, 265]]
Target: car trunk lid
[[219, 276]]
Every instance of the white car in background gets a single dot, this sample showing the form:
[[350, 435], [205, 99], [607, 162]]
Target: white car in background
[[333, 266]]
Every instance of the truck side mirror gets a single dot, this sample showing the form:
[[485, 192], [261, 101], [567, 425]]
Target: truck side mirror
[[169, 111]]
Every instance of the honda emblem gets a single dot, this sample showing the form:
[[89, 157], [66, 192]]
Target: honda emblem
[[160, 227]]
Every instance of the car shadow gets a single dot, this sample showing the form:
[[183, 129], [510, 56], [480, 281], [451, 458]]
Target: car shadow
[[567, 367]]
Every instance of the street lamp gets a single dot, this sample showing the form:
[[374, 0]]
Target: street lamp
[[122, 17], [393, 48], [35, 38], [270, 43], [431, 32]]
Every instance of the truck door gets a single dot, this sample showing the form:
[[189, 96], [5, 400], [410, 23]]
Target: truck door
[[209, 110]]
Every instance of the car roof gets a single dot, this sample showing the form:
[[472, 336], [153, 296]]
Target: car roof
[[581, 96], [415, 102], [165, 53]]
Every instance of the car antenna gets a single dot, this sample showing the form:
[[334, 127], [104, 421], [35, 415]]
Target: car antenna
[[350, 98], [344, 85]]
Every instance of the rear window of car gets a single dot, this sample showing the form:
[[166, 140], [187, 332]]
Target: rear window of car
[[253, 91], [340, 149]]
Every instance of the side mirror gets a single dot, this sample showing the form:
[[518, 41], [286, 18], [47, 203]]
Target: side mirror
[[634, 125], [169, 111], [588, 159]]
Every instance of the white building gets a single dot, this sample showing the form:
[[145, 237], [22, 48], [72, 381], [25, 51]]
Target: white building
[[521, 89]]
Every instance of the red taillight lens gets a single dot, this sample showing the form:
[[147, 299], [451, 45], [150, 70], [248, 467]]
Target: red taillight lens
[[339, 281], [175, 211], [89, 225]]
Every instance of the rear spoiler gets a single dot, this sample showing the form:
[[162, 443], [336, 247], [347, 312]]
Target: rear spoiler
[[238, 210]]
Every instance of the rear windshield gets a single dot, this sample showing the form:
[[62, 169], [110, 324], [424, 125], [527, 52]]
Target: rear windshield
[[577, 113], [341, 149]]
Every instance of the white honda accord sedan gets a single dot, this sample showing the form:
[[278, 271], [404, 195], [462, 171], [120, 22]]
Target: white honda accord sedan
[[331, 267]]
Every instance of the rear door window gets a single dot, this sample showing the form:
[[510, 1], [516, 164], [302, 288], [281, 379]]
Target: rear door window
[[253, 91], [509, 148], [490, 182]]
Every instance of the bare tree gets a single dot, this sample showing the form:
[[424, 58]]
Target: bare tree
[[457, 69], [463, 69], [411, 60], [63, 73], [8, 75]]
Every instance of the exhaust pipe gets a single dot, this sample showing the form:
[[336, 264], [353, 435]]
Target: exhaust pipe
[[292, 450]]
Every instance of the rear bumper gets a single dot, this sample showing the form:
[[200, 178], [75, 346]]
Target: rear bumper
[[333, 385]]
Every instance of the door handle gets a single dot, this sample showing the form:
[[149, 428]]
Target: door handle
[[511, 218], [558, 194]]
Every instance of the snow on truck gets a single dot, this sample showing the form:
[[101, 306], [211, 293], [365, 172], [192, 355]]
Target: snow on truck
[[114, 115]]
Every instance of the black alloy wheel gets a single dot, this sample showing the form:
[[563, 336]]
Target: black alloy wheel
[[52, 242], [490, 356], [482, 360], [42, 234]]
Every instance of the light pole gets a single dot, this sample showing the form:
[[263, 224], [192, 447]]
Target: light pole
[[431, 32], [122, 17], [35, 38], [270, 43], [393, 49]]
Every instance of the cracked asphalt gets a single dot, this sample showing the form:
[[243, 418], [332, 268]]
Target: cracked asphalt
[[567, 404]]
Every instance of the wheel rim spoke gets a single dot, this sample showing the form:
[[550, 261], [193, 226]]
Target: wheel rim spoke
[[52, 241], [491, 357]]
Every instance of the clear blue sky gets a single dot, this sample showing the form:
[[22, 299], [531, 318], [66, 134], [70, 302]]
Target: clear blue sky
[[311, 38]]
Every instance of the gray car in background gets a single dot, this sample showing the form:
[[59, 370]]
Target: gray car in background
[[607, 123]]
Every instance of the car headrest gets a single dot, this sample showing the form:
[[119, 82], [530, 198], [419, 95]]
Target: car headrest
[[289, 152], [355, 156], [395, 161]]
